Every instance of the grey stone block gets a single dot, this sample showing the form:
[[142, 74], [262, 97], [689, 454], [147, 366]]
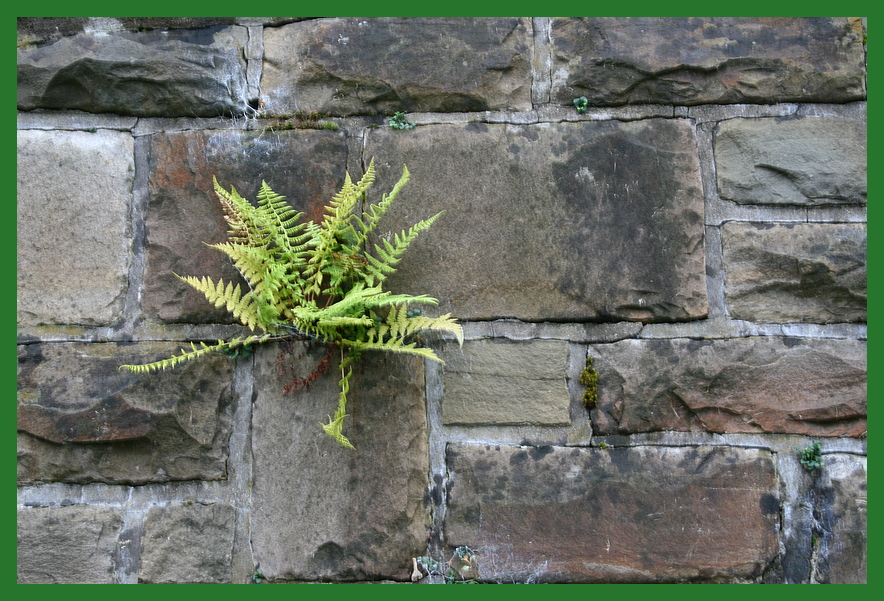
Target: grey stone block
[[806, 272], [67, 545], [322, 511], [753, 385], [74, 198], [188, 543], [807, 161], [639, 514], [689, 61], [561, 222], [364, 66], [494, 382]]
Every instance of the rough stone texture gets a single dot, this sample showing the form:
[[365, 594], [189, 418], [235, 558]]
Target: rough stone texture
[[810, 161], [82, 420], [531, 213], [74, 194], [357, 66], [639, 514], [307, 167], [174, 73], [70, 545], [810, 272], [319, 510], [761, 384], [190, 543], [495, 382], [689, 61], [839, 495]]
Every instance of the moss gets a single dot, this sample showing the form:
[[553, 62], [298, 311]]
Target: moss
[[589, 377]]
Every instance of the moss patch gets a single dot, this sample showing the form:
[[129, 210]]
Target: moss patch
[[589, 377]]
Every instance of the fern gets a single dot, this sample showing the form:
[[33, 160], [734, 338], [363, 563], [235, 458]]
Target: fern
[[309, 280]]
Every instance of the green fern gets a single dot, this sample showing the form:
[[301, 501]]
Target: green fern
[[316, 281]]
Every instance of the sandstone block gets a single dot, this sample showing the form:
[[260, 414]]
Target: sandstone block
[[172, 73], [72, 545], [74, 197], [811, 161], [840, 495], [190, 543], [319, 510], [82, 420], [689, 61], [639, 514], [531, 213], [307, 167], [365, 66], [491, 382], [763, 384], [808, 272]]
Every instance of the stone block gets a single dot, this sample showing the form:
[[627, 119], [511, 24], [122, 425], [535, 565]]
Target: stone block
[[67, 545], [322, 511], [531, 213], [307, 167], [170, 73], [74, 235], [188, 543], [82, 420], [690, 61], [840, 497], [806, 272], [815, 387], [364, 66], [495, 383], [805, 161], [637, 514]]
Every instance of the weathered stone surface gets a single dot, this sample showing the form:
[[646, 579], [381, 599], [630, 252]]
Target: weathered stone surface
[[80, 419], [533, 213], [74, 194], [840, 495], [191, 543], [358, 66], [639, 514], [809, 161], [810, 272], [763, 384], [173, 73], [319, 510], [307, 167], [71, 545], [499, 382], [689, 61]]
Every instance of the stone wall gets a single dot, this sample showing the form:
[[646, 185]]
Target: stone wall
[[699, 232]]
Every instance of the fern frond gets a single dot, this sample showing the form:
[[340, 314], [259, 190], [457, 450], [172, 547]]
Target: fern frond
[[372, 213], [389, 255], [334, 427], [194, 353], [245, 309]]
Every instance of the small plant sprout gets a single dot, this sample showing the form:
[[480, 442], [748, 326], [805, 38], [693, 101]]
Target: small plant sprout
[[398, 121], [811, 457], [581, 104]]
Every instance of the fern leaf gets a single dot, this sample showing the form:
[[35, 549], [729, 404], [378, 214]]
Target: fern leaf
[[194, 353], [389, 255]]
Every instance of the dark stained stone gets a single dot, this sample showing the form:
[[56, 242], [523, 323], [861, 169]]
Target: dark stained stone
[[363, 66], [67, 545], [690, 61], [532, 214], [811, 161], [806, 272], [188, 543], [82, 420], [173, 73], [638, 514], [762, 384], [307, 167], [322, 511]]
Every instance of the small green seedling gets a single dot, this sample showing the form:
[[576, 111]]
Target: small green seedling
[[398, 121], [811, 457], [581, 104]]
